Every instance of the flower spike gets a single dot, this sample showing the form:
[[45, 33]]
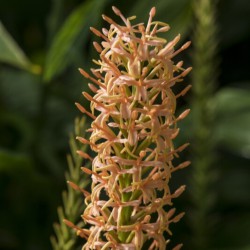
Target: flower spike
[[132, 137]]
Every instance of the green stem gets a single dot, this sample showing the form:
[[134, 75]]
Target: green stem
[[204, 82]]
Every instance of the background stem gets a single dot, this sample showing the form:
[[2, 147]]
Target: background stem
[[204, 79]]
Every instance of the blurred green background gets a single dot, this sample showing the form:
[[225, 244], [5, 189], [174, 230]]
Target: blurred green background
[[42, 43]]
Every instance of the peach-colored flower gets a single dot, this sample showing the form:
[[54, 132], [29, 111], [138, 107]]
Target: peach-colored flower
[[134, 124]]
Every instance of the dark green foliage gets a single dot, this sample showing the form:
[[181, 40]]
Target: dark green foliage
[[204, 80], [73, 202], [11, 53], [45, 42]]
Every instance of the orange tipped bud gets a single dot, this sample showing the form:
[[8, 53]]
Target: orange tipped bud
[[84, 73], [183, 115]]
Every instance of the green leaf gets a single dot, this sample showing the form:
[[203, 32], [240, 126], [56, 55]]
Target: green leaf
[[232, 101], [55, 18], [233, 120], [62, 50], [12, 54], [59, 54]]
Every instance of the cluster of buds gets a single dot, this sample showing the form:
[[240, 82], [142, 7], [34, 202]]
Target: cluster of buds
[[134, 124]]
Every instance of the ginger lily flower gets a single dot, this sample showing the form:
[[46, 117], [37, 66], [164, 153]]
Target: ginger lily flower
[[132, 133]]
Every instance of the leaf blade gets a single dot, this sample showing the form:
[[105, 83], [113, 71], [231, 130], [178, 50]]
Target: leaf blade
[[58, 56], [232, 107], [11, 53]]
